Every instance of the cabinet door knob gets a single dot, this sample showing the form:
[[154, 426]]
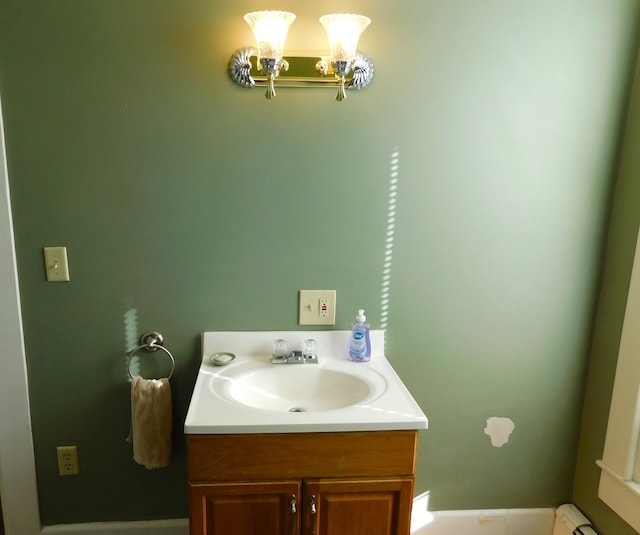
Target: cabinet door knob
[[314, 511], [293, 504]]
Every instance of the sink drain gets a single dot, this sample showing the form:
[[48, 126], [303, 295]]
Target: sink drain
[[296, 409]]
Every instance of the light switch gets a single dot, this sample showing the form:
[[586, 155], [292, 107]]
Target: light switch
[[55, 262]]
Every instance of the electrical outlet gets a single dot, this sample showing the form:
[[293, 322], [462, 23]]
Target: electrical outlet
[[324, 307], [317, 307], [68, 460]]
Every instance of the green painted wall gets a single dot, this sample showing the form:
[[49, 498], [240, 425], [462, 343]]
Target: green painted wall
[[189, 204], [623, 232]]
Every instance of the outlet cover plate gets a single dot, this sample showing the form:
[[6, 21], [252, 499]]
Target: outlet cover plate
[[68, 460], [317, 307]]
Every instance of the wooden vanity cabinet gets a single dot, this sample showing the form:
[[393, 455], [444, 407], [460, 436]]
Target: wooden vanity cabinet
[[355, 483]]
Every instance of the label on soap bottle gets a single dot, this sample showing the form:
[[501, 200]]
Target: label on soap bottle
[[358, 347]]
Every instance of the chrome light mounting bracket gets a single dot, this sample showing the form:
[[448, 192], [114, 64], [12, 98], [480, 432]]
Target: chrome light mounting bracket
[[300, 71]]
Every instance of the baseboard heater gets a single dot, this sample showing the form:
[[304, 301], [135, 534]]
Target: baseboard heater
[[570, 521]]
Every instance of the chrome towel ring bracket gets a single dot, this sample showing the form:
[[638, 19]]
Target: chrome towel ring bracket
[[151, 341]]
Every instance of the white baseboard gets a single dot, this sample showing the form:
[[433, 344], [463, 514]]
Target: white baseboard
[[481, 522], [485, 522], [179, 526]]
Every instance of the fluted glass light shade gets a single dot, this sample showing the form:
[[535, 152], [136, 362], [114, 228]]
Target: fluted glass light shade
[[270, 30], [343, 31]]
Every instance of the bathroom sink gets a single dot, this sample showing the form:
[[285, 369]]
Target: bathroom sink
[[250, 394], [298, 388]]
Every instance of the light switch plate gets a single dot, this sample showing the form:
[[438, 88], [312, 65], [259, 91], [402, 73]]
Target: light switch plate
[[55, 261], [317, 307]]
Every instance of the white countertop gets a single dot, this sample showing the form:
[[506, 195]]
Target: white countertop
[[211, 411]]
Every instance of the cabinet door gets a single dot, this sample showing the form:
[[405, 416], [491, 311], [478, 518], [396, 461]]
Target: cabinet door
[[251, 508], [358, 506]]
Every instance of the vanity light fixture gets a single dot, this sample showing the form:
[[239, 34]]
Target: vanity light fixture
[[270, 30]]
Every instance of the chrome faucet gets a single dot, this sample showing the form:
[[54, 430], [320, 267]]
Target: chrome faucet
[[308, 354], [294, 357]]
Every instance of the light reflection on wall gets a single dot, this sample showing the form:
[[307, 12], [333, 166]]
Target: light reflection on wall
[[420, 515], [390, 232]]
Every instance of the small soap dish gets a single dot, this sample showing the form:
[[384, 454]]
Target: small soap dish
[[222, 359]]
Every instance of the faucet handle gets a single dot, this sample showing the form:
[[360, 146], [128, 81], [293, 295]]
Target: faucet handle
[[279, 350]]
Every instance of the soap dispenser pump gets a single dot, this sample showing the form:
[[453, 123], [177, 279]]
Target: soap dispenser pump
[[360, 344]]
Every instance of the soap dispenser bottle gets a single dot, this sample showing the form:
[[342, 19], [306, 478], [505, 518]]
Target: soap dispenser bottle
[[360, 344]]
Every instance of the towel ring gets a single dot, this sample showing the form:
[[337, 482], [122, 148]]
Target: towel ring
[[151, 341]]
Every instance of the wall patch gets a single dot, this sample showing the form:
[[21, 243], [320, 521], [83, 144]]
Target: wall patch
[[499, 430]]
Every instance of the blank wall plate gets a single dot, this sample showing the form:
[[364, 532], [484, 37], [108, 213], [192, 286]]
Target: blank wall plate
[[55, 262], [317, 307]]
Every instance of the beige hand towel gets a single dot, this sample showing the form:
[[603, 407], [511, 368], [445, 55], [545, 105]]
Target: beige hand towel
[[151, 421]]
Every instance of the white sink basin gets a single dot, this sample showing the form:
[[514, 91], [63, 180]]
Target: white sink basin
[[252, 395], [297, 387]]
